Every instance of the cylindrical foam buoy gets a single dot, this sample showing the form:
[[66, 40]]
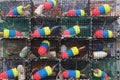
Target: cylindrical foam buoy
[[42, 32], [10, 74], [76, 12], [43, 73], [75, 30], [100, 74], [71, 74], [23, 53], [44, 46], [99, 54], [20, 10], [49, 4], [103, 34], [70, 53], [16, 11], [11, 33], [100, 10]]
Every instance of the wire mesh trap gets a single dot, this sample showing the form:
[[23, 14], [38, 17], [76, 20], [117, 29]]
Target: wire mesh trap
[[74, 64], [12, 69], [109, 66], [45, 8], [70, 44], [104, 27], [82, 31], [111, 7], [45, 48], [75, 8], [13, 48], [46, 26], [104, 49], [15, 28], [37, 65], [10, 8]]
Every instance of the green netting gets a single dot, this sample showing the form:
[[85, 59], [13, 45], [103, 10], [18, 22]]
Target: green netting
[[83, 22], [109, 66], [21, 24]]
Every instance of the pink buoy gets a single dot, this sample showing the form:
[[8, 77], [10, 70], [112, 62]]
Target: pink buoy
[[47, 5], [71, 12]]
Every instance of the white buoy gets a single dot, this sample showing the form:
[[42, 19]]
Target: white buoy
[[39, 10], [21, 72], [24, 52], [63, 48], [99, 54]]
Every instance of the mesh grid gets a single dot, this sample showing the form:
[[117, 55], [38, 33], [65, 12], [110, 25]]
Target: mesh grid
[[52, 23], [84, 23], [108, 46], [13, 47], [20, 24], [54, 46], [114, 4], [6, 5], [74, 64], [41, 63], [76, 43], [58, 18], [110, 66]]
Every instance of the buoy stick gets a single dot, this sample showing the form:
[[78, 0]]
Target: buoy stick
[[81, 47], [1, 33]]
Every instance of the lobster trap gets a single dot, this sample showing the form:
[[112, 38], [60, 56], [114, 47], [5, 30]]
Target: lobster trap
[[55, 11], [6, 6], [84, 24], [13, 48], [41, 63], [67, 5], [75, 64], [111, 10], [67, 45], [52, 51], [41, 23], [14, 66], [104, 27], [16, 27], [104, 45], [110, 66]]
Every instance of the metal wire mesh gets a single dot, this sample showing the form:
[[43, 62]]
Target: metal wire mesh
[[114, 5], [57, 20], [7, 64], [52, 23], [104, 23], [69, 43], [74, 64], [1, 48], [53, 51], [6, 5], [13, 47], [110, 66], [20, 24], [67, 5], [54, 12], [84, 23], [108, 46], [41, 63]]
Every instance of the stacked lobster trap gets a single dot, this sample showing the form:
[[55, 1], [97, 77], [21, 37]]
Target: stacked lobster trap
[[59, 39], [14, 34]]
